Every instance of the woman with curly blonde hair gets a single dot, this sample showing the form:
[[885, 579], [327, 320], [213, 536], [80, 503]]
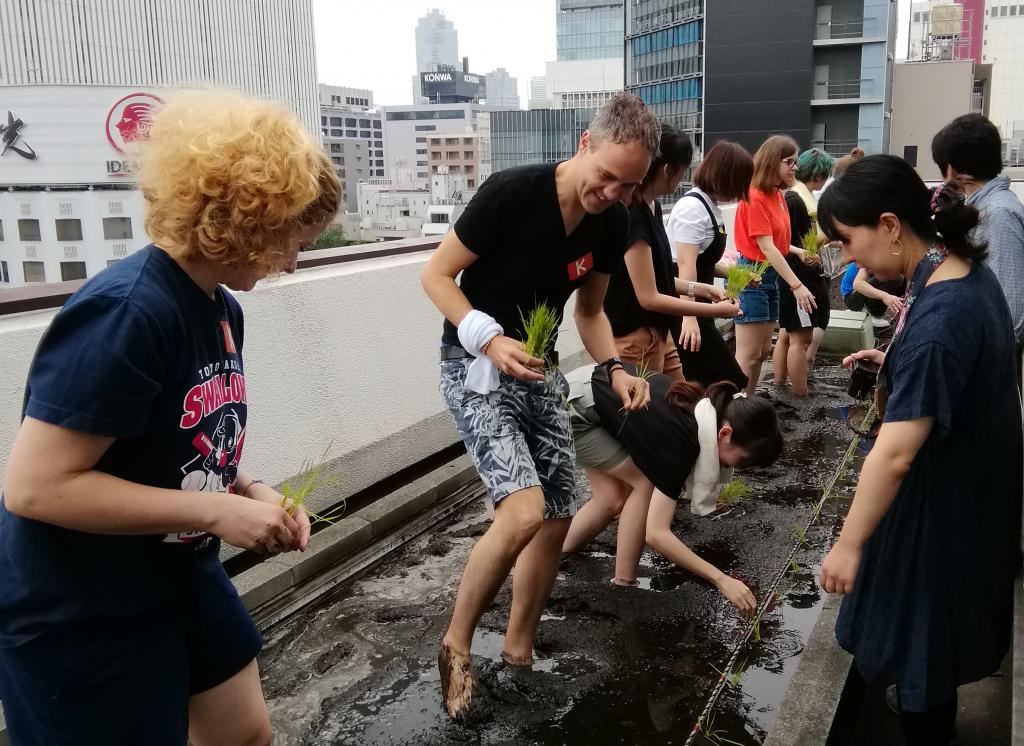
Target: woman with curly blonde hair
[[118, 623]]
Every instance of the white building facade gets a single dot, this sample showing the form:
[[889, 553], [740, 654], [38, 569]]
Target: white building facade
[[584, 84], [390, 212], [69, 105], [502, 89], [407, 130], [1004, 50]]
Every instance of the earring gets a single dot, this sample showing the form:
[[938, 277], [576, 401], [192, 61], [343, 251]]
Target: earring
[[896, 253]]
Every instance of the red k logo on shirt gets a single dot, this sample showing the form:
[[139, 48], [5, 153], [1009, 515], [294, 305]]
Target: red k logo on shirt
[[229, 341], [579, 267]]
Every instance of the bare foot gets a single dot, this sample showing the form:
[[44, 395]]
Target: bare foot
[[457, 680], [517, 661]]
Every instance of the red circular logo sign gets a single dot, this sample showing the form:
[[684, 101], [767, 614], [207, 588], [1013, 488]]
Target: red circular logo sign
[[129, 119]]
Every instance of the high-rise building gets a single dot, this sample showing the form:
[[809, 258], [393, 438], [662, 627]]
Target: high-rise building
[[502, 90], [437, 48], [1003, 49], [589, 29], [353, 137], [540, 93], [80, 80], [583, 84], [821, 73], [535, 136], [407, 129]]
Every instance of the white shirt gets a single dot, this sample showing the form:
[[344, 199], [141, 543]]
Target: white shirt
[[690, 223]]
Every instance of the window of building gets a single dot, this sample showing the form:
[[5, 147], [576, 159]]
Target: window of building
[[422, 174], [335, 147], [364, 122], [34, 271], [28, 230], [376, 124], [378, 143], [469, 169], [323, 120], [421, 151], [451, 141], [72, 271], [380, 163], [1, 230], [336, 160], [468, 155], [1002, 11], [467, 140], [910, 154], [117, 229], [435, 154], [336, 133], [421, 139], [455, 169], [4, 274], [335, 121], [1013, 10], [452, 155], [917, 17], [426, 128], [421, 163], [68, 229], [351, 133], [379, 154], [350, 122], [365, 134], [427, 114], [380, 172]]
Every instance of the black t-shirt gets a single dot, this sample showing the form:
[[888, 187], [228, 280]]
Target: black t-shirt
[[800, 222], [515, 226], [662, 439], [620, 304], [140, 354]]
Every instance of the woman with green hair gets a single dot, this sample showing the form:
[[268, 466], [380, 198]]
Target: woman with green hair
[[800, 332]]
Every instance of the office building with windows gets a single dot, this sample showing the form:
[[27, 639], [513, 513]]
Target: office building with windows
[[821, 72], [352, 132], [589, 29], [437, 48], [501, 90], [68, 206], [407, 130], [518, 138]]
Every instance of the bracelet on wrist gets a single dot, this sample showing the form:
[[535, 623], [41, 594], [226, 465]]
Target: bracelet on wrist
[[485, 345], [796, 287], [249, 486]]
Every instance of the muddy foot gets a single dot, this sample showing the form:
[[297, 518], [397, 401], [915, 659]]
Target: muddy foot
[[457, 681], [517, 661]]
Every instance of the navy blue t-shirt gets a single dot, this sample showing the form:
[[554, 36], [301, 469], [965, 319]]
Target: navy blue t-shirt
[[140, 354]]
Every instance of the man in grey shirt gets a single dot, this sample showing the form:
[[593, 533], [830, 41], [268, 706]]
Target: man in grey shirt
[[969, 153]]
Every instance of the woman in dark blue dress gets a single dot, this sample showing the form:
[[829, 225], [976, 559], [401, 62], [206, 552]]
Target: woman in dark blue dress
[[929, 550]]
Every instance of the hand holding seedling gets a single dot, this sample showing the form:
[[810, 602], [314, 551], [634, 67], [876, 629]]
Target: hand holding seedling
[[738, 594], [263, 493], [510, 358], [253, 524], [634, 391]]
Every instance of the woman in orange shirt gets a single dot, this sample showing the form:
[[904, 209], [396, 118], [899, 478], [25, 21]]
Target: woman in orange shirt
[[763, 232]]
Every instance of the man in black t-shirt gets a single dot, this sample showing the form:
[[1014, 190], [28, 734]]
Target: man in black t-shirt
[[531, 236]]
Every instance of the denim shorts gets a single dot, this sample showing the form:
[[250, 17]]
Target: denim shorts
[[761, 303], [518, 436]]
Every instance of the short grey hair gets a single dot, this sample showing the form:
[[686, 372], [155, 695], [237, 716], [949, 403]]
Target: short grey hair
[[625, 118]]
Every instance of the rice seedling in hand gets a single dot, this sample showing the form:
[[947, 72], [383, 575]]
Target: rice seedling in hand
[[759, 268], [809, 242], [541, 327], [312, 478], [735, 491], [737, 277]]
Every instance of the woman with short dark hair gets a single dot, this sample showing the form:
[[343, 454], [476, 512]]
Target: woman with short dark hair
[[929, 550]]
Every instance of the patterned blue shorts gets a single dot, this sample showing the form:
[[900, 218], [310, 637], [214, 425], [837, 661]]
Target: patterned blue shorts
[[518, 436]]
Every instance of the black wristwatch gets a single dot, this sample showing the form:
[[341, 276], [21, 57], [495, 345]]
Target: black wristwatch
[[611, 363]]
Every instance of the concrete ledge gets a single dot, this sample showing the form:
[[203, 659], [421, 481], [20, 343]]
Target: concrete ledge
[[810, 704], [274, 578]]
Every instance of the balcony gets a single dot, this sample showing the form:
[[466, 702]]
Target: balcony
[[859, 31], [843, 92]]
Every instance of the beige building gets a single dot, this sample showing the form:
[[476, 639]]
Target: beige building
[[926, 97], [456, 155]]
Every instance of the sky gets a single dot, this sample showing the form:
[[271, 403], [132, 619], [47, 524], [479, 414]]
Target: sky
[[372, 43]]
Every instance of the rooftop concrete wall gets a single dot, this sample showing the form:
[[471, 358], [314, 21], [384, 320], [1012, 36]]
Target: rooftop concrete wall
[[342, 356]]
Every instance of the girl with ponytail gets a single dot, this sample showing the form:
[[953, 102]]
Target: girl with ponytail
[[928, 552], [639, 464]]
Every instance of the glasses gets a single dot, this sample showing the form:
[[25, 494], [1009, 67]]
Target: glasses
[[791, 162]]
